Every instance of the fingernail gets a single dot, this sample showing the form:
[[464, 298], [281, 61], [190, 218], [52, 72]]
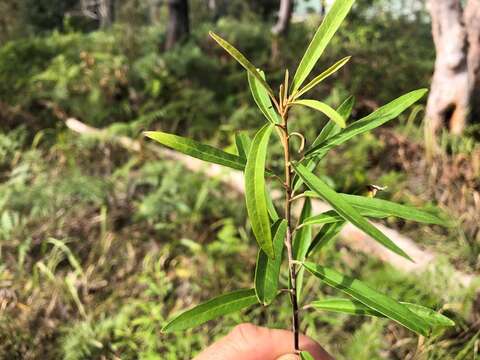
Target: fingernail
[[288, 357]]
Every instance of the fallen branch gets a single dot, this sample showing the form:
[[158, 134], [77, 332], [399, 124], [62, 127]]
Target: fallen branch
[[350, 235]]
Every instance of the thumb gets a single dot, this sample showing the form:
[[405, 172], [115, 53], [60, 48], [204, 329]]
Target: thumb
[[288, 357]]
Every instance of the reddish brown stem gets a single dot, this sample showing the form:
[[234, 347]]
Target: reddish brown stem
[[288, 237]]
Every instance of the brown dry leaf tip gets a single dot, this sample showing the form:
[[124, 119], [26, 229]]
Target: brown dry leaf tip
[[373, 189], [302, 140]]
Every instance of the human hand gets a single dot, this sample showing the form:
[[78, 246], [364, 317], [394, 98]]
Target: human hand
[[250, 342]]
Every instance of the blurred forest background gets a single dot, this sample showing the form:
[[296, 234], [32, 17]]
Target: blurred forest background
[[103, 237]]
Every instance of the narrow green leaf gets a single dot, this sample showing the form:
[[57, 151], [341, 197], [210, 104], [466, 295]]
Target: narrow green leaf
[[344, 209], [197, 150], [242, 143], [323, 108], [271, 207], [216, 307], [255, 190], [390, 208], [331, 70], [326, 234], [267, 270], [322, 37], [301, 243], [242, 60], [375, 119], [301, 239], [384, 208], [370, 297], [347, 306], [260, 95], [305, 355], [330, 129], [434, 318], [332, 216]]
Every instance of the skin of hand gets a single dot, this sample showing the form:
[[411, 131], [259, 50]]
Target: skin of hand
[[250, 342]]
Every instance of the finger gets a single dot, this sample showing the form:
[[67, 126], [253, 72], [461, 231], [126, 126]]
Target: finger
[[250, 342]]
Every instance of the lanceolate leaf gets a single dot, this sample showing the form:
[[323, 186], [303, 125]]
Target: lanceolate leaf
[[219, 306], [301, 243], [197, 150], [243, 143], [331, 70], [434, 318], [242, 60], [260, 95], [255, 190], [392, 209], [344, 209], [330, 129], [353, 307], [385, 208], [267, 270], [323, 108], [370, 297], [324, 236], [375, 119], [322, 37], [345, 306], [331, 216], [271, 208]]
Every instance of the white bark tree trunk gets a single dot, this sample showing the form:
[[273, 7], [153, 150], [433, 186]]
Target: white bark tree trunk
[[284, 17], [448, 100], [454, 93], [107, 8], [472, 23]]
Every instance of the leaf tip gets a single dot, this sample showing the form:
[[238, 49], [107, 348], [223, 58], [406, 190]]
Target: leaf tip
[[406, 256], [165, 329], [422, 91], [148, 134], [214, 36]]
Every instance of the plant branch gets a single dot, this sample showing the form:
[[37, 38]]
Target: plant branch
[[288, 237]]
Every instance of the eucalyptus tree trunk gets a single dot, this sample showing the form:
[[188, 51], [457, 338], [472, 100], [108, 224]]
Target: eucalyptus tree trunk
[[472, 23], [102, 11], [455, 86], [178, 27], [449, 97], [280, 29], [284, 17], [106, 13]]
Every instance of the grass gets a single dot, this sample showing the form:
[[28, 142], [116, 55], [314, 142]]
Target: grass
[[95, 258]]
